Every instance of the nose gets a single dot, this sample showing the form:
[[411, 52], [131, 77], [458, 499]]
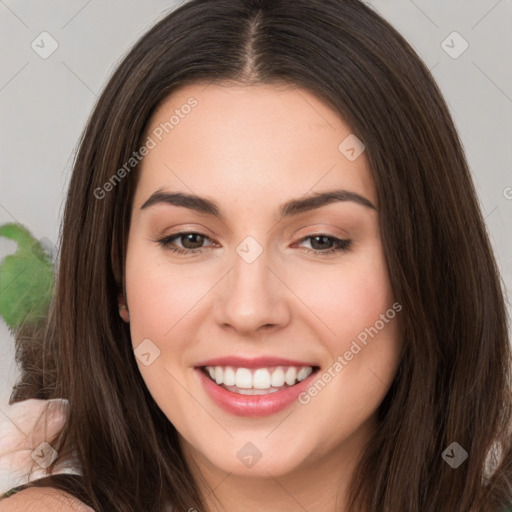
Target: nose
[[252, 299]]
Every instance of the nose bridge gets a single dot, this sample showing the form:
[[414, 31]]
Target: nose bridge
[[252, 296], [250, 276], [250, 271]]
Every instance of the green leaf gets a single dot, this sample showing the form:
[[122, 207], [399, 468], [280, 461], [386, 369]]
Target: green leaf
[[26, 279]]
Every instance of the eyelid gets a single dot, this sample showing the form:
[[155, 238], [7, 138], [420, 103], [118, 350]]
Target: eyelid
[[321, 228], [319, 234], [303, 237], [175, 230], [166, 239], [340, 245]]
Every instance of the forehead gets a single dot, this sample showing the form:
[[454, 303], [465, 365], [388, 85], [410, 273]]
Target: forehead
[[239, 141]]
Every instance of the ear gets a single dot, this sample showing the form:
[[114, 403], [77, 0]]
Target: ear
[[123, 309]]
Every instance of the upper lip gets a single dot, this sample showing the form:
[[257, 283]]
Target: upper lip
[[255, 362]]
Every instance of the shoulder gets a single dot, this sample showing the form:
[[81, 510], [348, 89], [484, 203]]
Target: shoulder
[[42, 499]]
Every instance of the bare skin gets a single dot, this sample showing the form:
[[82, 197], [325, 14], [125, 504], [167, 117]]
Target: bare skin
[[251, 149], [43, 499]]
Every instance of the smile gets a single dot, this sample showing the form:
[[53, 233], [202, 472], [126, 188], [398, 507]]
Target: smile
[[254, 387], [258, 381]]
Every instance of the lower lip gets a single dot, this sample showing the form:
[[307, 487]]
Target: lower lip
[[253, 405]]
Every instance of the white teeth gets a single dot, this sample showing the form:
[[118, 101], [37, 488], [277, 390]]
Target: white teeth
[[229, 376], [277, 378], [253, 391], [290, 376], [261, 379], [243, 378], [304, 373], [258, 381]]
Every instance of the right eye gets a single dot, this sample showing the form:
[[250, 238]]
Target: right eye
[[191, 242]]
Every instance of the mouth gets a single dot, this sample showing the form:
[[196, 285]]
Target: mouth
[[255, 387], [258, 381]]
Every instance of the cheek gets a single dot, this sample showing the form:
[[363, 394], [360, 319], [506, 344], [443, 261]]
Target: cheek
[[162, 303], [161, 297], [346, 298]]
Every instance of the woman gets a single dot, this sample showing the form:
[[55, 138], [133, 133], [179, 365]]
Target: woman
[[275, 288]]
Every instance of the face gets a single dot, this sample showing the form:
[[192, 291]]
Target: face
[[259, 302]]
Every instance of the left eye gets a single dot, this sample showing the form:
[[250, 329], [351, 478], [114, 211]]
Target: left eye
[[324, 244]]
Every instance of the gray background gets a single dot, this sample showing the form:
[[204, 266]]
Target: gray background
[[44, 103]]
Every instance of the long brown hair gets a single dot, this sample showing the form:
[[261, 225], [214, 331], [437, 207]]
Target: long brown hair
[[453, 382]]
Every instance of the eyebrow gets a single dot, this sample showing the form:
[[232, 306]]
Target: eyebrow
[[292, 207]]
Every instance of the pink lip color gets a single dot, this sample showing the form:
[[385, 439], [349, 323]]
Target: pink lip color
[[252, 405], [256, 362]]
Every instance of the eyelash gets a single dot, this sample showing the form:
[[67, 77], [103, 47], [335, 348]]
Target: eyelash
[[166, 243]]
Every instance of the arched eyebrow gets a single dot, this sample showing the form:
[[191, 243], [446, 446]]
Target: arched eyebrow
[[296, 206], [288, 209]]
